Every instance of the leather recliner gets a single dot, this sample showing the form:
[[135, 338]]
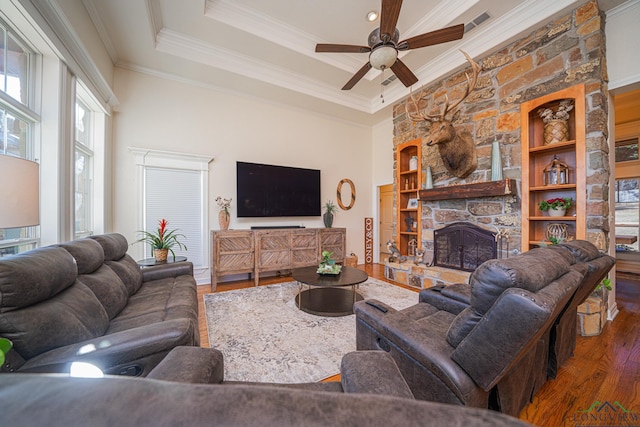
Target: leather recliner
[[489, 352]]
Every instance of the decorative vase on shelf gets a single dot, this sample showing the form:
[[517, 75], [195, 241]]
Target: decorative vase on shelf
[[160, 254], [413, 163], [496, 161], [223, 219], [557, 212]]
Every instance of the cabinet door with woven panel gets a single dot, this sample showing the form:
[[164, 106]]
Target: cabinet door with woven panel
[[304, 248], [232, 253], [273, 250], [333, 240]]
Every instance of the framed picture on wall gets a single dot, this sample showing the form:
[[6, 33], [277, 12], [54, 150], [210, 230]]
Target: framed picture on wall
[[412, 204]]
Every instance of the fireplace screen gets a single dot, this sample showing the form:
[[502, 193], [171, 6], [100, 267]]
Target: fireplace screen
[[463, 246]]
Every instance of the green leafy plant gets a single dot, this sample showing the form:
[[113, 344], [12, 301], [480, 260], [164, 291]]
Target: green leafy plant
[[5, 346], [330, 208], [163, 238], [557, 203], [328, 265], [606, 282]]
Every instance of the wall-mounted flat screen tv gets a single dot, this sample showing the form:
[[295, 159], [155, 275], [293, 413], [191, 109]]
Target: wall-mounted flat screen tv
[[277, 191]]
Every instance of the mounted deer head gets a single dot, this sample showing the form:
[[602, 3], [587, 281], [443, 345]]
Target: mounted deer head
[[457, 150]]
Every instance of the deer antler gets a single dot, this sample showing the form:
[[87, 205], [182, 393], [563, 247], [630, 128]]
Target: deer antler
[[419, 116], [471, 84]]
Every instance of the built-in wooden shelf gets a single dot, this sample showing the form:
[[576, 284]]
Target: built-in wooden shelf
[[478, 189]]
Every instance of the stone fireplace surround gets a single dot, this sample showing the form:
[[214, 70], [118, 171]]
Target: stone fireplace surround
[[566, 51]]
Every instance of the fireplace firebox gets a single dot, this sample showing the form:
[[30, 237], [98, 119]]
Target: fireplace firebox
[[463, 246]]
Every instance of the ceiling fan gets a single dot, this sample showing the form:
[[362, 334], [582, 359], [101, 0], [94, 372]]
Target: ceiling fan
[[384, 45]]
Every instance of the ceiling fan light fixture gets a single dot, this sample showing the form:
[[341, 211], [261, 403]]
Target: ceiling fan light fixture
[[372, 15], [383, 57]]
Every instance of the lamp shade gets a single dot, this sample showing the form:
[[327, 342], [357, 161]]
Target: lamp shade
[[19, 192]]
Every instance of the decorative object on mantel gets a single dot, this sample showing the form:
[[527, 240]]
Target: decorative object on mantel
[[328, 266], [352, 187], [223, 215], [496, 161], [327, 217], [413, 163], [457, 149], [556, 172], [413, 244], [162, 241], [557, 206], [395, 256], [557, 232], [556, 128], [429, 183]]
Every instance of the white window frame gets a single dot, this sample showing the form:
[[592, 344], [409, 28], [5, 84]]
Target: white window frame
[[148, 158]]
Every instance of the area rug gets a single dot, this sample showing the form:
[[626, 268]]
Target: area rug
[[265, 337]]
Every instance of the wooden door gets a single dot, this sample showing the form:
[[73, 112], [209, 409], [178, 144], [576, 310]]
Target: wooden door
[[386, 219]]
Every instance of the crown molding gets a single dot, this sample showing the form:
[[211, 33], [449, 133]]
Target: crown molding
[[101, 29]]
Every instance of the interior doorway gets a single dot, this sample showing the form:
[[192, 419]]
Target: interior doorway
[[386, 219]]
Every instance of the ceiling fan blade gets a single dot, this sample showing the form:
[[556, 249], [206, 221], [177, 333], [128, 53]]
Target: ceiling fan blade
[[389, 17], [320, 47], [357, 76], [403, 73], [434, 37]]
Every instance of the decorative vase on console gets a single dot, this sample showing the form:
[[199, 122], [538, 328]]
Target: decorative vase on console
[[327, 217], [223, 216]]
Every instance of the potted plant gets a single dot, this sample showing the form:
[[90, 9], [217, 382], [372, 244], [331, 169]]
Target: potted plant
[[556, 128], [329, 208], [557, 206], [5, 346], [162, 241], [223, 215], [327, 265]]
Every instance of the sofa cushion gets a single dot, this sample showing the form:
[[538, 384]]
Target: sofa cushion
[[70, 316], [114, 245], [115, 255], [88, 254], [531, 271], [582, 250], [31, 277], [108, 288]]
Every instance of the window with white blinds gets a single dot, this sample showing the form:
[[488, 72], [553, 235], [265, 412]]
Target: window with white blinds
[[176, 195], [174, 186]]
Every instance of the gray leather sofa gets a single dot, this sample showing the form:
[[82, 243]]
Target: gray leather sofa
[[88, 301], [488, 344], [375, 394]]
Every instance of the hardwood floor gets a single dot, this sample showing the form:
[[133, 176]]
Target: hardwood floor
[[605, 368]]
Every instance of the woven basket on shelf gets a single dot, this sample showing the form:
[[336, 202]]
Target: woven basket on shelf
[[556, 131]]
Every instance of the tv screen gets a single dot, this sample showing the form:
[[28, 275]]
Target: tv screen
[[272, 191]]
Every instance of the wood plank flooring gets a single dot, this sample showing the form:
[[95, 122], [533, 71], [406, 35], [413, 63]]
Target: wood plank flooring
[[605, 368]]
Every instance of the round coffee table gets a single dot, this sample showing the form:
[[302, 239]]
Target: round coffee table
[[328, 295]]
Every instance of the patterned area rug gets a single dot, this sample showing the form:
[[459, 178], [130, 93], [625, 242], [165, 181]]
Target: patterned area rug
[[265, 337]]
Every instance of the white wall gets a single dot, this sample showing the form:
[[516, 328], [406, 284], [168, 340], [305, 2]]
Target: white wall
[[622, 31], [168, 115]]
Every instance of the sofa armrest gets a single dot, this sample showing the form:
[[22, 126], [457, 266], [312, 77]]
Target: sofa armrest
[[162, 271], [140, 348], [451, 298], [372, 372], [191, 365]]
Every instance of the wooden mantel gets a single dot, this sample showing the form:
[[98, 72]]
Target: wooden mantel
[[477, 189]]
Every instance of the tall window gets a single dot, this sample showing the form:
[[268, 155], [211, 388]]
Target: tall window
[[17, 123], [83, 187]]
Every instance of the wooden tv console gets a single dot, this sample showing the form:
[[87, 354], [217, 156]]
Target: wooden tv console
[[259, 251]]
